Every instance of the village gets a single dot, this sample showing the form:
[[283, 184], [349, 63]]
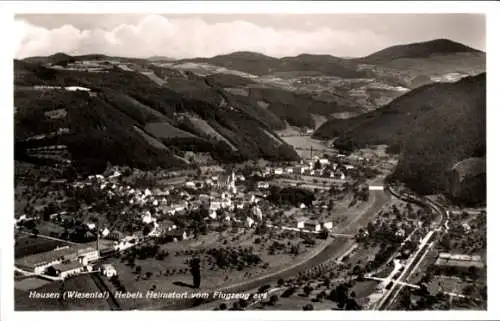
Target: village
[[270, 214]]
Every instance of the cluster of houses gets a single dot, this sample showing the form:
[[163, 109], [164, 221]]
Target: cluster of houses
[[220, 195], [320, 167]]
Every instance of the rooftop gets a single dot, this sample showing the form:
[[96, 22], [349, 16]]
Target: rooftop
[[68, 266], [458, 263], [50, 256]]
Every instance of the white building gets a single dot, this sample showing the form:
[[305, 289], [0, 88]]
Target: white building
[[324, 161], [256, 211], [249, 222], [328, 225], [76, 88], [278, 171], [312, 226], [108, 270], [105, 232], [68, 269], [263, 185], [147, 218]]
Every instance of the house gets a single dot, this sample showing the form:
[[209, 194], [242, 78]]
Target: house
[[289, 170], [249, 221], [400, 233], [256, 211], [190, 185], [278, 171], [147, 218], [68, 269], [324, 161], [262, 185], [214, 206], [300, 222], [328, 225], [305, 170], [312, 226], [91, 226], [104, 232], [466, 228], [108, 270], [125, 243]]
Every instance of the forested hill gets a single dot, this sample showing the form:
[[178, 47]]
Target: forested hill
[[433, 127], [128, 119]]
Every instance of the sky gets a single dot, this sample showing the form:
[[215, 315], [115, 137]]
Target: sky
[[278, 35]]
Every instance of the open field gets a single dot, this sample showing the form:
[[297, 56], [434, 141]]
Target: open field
[[30, 283], [304, 142], [172, 273], [28, 245]]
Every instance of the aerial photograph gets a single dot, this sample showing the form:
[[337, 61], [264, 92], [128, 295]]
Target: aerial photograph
[[249, 162]]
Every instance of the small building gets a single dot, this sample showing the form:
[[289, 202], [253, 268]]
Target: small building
[[324, 161], [278, 171], [108, 270], [400, 233], [312, 226], [328, 225], [262, 185], [249, 222]]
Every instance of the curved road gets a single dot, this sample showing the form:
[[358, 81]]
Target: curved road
[[335, 248]]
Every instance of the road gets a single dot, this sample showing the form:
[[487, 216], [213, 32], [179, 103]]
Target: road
[[48, 237], [333, 249], [416, 258]]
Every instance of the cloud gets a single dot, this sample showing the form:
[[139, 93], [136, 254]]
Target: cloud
[[192, 37]]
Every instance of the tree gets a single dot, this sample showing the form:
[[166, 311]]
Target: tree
[[273, 299], [242, 303], [308, 307], [323, 234], [281, 282], [307, 290], [138, 269], [195, 272], [473, 272], [222, 306]]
